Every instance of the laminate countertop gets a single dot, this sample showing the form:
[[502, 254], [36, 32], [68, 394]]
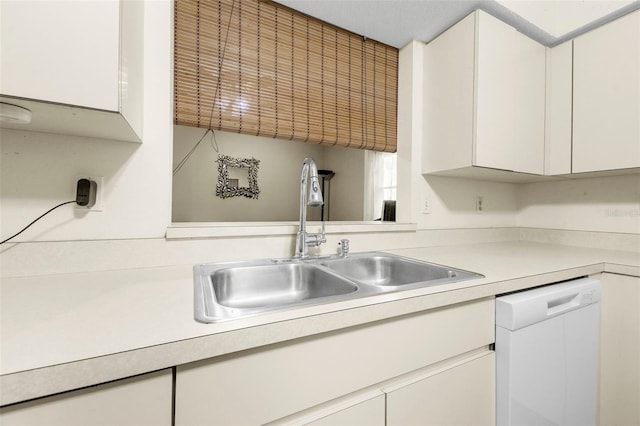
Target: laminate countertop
[[67, 331]]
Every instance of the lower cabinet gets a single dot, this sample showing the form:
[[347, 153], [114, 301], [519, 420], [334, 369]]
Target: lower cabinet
[[137, 401], [367, 413], [316, 379], [619, 349], [366, 408], [462, 394], [458, 391]]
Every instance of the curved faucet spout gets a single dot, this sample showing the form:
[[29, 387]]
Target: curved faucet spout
[[304, 240]]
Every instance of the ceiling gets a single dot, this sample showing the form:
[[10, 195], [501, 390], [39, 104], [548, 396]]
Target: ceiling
[[397, 22]]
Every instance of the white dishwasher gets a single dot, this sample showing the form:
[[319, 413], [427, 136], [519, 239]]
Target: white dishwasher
[[547, 355]]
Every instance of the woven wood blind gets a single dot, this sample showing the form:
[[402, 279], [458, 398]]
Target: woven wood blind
[[259, 68]]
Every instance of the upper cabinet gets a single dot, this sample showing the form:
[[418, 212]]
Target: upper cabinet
[[496, 101], [77, 66], [606, 97], [484, 101], [558, 109]]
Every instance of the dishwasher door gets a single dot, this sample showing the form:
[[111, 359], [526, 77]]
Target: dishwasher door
[[547, 342]]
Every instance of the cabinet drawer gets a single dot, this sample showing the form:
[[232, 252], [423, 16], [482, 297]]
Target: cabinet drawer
[[262, 385]]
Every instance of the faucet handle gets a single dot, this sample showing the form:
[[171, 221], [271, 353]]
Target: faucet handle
[[322, 237], [314, 240]]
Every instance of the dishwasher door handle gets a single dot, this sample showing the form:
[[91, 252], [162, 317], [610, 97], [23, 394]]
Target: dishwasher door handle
[[563, 304]]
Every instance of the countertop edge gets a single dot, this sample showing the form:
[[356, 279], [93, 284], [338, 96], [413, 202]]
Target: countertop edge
[[616, 268]]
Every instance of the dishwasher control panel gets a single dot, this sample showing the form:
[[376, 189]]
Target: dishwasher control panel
[[519, 310]]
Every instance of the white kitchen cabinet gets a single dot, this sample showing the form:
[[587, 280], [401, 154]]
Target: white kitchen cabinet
[[558, 109], [484, 100], [367, 413], [76, 65], [459, 394], [270, 383], [138, 401], [606, 97], [360, 409], [456, 391], [619, 350]]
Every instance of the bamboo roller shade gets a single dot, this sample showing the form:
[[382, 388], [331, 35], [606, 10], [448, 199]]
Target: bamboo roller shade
[[259, 68]]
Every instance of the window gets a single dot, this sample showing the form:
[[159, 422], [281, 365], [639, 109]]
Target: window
[[389, 177], [381, 182]]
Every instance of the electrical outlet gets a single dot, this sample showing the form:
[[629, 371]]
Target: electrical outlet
[[479, 205], [426, 208], [99, 180]]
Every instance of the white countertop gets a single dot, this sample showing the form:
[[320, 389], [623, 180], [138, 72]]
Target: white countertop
[[61, 332]]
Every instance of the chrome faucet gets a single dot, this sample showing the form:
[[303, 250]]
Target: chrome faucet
[[304, 240]]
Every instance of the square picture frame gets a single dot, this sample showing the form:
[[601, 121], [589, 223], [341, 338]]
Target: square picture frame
[[227, 188]]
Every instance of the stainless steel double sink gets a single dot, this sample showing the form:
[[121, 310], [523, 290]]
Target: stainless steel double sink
[[225, 291]]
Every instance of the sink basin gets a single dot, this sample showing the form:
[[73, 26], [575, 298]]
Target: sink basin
[[235, 290], [381, 269], [226, 291], [276, 285]]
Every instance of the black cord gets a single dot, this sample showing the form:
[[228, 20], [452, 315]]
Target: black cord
[[186, 157], [213, 103], [40, 217]]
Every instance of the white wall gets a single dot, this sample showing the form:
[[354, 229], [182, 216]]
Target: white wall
[[452, 204], [410, 113], [347, 187], [194, 186], [605, 204], [39, 169]]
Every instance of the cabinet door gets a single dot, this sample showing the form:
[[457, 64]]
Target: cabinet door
[[61, 51], [365, 408], [368, 413], [619, 349], [138, 401], [606, 97], [558, 109], [484, 99], [448, 98], [461, 395], [510, 98]]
